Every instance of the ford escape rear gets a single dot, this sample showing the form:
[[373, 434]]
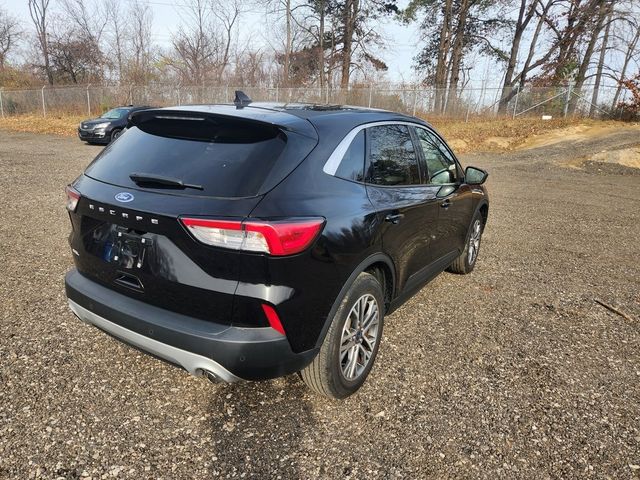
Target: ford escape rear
[[254, 241]]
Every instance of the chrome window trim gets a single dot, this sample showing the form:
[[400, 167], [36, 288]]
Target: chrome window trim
[[333, 162]]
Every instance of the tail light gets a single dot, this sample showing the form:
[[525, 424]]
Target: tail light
[[72, 198], [279, 238], [273, 318]]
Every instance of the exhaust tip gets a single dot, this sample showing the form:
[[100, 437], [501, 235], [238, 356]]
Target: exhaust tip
[[212, 377]]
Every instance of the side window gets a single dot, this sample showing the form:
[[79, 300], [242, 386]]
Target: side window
[[392, 158], [352, 164], [441, 166]]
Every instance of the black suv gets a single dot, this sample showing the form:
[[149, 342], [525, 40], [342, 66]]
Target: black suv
[[251, 242], [108, 126]]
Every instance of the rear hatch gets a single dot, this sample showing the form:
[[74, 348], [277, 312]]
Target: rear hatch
[[218, 164]]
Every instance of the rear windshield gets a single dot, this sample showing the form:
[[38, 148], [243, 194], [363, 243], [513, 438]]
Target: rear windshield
[[242, 161]]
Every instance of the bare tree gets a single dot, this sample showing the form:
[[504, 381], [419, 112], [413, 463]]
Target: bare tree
[[629, 51], [601, 11], [227, 14], [194, 44], [601, 60], [38, 10], [117, 25], [140, 48], [515, 80], [91, 24], [9, 33], [282, 8], [73, 59]]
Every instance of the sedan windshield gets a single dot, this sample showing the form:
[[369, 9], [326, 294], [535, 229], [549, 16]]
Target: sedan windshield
[[115, 113]]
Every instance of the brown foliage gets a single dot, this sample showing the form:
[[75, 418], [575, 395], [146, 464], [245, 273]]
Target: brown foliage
[[630, 109]]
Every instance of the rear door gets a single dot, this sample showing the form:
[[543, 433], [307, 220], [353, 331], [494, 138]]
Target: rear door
[[454, 197], [406, 205]]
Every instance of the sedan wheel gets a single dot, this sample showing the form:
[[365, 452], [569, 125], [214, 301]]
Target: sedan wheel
[[115, 134]]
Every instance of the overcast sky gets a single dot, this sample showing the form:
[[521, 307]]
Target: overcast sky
[[402, 41]]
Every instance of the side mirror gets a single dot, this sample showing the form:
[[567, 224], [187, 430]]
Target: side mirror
[[475, 176]]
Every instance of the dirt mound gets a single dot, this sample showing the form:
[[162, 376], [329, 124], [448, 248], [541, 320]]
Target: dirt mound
[[574, 133], [629, 157]]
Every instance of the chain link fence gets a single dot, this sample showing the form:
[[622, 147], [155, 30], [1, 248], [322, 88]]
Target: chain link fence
[[92, 100]]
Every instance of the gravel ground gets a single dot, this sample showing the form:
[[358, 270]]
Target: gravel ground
[[511, 372]]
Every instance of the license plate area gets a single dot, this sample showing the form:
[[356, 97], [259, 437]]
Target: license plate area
[[128, 249]]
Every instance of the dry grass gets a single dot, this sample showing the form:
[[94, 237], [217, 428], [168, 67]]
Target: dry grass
[[502, 134], [56, 124], [478, 134]]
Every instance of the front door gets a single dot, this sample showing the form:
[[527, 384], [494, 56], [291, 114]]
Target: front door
[[407, 206], [454, 196]]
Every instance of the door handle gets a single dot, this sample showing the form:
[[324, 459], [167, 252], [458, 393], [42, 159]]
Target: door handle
[[446, 203], [394, 218]]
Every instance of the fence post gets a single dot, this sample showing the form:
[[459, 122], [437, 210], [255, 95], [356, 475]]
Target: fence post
[[88, 100], [178, 94], [130, 94], [515, 106], [327, 98], [277, 94], [370, 94], [567, 99], [415, 101], [1, 105], [44, 107]]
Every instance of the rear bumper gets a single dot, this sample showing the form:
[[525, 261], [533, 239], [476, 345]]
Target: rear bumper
[[200, 347]]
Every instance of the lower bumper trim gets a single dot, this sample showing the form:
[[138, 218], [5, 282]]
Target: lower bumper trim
[[193, 363]]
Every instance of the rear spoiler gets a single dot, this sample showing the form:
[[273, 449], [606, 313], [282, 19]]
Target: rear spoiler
[[203, 122]]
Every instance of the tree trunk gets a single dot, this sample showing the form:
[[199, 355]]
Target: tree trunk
[[521, 25], [603, 52], [47, 64], [321, 46], [38, 13], [440, 80], [287, 50], [347, 42], [603, 11], [456, 55]]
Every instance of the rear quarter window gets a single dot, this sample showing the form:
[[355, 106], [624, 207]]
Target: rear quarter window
[[352, 164]]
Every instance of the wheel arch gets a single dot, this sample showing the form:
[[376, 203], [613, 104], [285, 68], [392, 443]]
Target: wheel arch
[[377, 264], [483, 208]]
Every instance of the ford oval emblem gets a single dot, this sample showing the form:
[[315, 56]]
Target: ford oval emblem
[[124, 197]]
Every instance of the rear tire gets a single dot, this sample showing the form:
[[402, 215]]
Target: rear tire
[[467, 260], [352, 341]]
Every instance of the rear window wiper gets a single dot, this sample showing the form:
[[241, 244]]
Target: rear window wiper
[[152, 179]]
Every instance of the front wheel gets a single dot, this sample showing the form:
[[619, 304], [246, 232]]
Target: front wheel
[[352, 341], [467, 259], [116, 133]]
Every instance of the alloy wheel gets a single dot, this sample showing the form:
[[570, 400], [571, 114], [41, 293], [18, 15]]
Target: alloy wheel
[[359, 337], [474, 242]]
